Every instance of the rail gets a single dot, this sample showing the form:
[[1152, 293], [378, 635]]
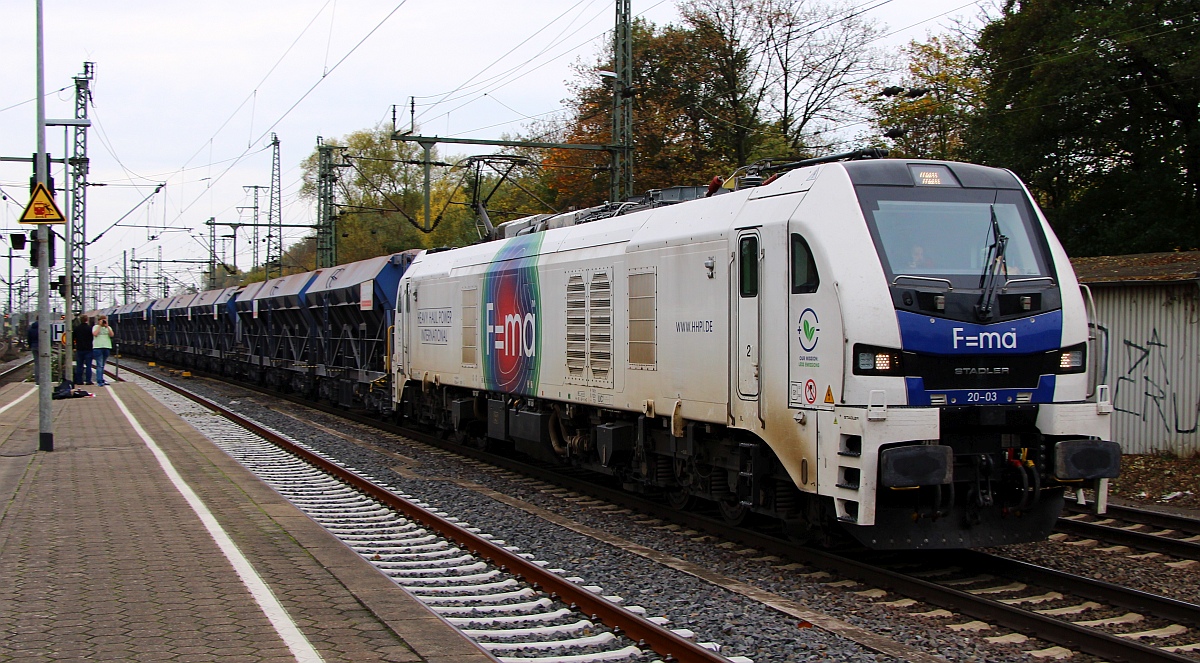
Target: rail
[[1081, 638], [13, 370], [1159, 542], [663, 641]]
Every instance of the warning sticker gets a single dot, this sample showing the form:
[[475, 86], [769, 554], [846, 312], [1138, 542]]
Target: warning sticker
[[829, 395], [42, 208]]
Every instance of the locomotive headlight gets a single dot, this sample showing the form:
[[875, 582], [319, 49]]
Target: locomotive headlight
[[1072, 359], [870, 360]]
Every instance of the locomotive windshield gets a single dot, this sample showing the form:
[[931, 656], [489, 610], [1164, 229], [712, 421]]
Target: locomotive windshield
[[946, 234]]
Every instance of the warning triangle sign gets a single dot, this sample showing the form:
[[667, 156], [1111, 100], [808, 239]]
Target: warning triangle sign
[[828, 394], [42, 208]]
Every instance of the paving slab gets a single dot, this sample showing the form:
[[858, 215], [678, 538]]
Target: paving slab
[[101, 557]]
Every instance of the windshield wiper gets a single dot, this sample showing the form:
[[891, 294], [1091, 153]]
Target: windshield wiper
[[993, 266]]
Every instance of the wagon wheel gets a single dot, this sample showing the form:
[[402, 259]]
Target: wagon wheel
[[679, 499], [732, 510]]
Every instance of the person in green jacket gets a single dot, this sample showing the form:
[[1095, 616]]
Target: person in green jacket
[[102, 343]]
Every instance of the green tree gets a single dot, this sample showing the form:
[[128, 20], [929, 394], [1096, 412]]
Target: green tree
[[930, 114], [1096, 105], [380, 199]]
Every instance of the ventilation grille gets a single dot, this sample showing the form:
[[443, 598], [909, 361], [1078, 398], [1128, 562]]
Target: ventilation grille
[[642, 324], [470, 327], [600, 326], [576, 326]]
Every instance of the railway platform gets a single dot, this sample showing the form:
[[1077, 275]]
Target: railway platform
[[137, 539]]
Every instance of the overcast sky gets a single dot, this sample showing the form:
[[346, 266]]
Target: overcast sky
[[188, 94]]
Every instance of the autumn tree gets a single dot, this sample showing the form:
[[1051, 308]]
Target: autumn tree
[[677, 136], [926, 112], [735, 81]]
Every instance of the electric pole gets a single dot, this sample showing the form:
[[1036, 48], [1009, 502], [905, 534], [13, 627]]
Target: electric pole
[[212, 233], [619, 148], [254, 236], [622, 114], [326, 211], [212, 253], [78, 189], [274, 263]]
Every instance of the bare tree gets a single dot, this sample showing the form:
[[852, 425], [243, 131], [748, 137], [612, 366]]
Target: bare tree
[[729, 41], [815, 56]]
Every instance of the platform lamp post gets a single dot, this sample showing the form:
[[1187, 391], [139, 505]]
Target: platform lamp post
[[42, 174]]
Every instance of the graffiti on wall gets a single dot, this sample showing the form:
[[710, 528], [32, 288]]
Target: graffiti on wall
[[1144, 389]]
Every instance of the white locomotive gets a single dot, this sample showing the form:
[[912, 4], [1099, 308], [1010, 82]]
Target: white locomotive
[[900, 347]]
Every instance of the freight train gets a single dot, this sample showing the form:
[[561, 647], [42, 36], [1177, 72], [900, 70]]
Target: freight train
[[897, 350]]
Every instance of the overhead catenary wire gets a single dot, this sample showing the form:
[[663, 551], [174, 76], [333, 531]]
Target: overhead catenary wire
[[506, 54], [849, 13], [30, 101], [234, 159], [515, 68], [126, 215], [299, 100], [252, 96]]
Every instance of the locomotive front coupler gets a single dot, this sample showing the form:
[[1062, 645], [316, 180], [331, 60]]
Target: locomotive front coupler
[[981, 492]]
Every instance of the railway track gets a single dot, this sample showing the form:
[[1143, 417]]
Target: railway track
[[504, 599], [1152, 531], [1073, 613], [15, 370]]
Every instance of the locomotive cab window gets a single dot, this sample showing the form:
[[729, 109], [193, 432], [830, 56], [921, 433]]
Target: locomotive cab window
[[804, 268], [748, 258], [947, 234]]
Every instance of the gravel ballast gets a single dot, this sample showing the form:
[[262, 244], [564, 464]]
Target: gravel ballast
[[741, 625]]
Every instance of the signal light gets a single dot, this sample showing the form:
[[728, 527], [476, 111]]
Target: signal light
[[33, 251], [869, 360], [1071, 360]]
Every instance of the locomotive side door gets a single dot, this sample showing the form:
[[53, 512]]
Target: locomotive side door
[[400, 345], [748, 266], [814, 317]]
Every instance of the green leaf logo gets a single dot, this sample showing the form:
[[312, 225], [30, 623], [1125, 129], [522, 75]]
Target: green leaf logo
[[808, 330]]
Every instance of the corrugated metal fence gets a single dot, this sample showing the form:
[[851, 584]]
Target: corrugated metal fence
[[1152, 335]]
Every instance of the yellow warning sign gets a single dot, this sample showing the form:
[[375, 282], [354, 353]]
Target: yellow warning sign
[[42, 208], [829, 395]]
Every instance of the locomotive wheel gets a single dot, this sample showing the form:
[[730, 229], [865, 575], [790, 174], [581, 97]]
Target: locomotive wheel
[[679, 499], [801, 532], [473, 435], [733, 511]]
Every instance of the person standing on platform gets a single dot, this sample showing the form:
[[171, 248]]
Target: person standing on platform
[[31, 339], [102, 343], [81, 335]]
